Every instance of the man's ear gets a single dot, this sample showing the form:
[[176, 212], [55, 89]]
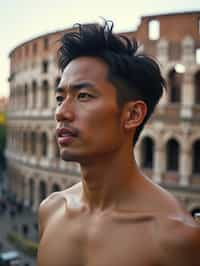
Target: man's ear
[[135, 112]]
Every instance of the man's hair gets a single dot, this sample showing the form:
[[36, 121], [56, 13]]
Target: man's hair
[[135, 76]]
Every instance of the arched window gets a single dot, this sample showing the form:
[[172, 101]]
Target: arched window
[[147, 153], [173, 155], [45, 66], [197, 87], [154, 30], [175, 79], [196, 157], [55, 188], [44, 144], [43, 190], [25, 96], [34, 93], [45, 93], [25, 142], [33, 143], [31, 190]]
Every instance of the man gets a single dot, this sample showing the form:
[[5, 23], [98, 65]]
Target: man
[[115, 216]]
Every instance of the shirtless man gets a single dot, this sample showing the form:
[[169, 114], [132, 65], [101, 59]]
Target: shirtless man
[[116, 216]]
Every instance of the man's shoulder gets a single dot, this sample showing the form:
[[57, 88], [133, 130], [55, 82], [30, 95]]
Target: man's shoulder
[[56, 198], [179, 240]]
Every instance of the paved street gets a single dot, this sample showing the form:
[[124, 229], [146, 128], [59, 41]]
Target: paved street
[[13, 219]]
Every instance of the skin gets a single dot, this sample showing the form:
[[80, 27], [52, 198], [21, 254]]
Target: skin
[[115, 216]]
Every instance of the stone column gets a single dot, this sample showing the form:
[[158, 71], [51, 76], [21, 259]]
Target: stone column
[[162, 51], [36, 195], [188, 56], [50, 150], [159, 162], [185, 164], [187, 96]]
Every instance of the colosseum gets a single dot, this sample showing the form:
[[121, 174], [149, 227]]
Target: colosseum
[[169, 148]]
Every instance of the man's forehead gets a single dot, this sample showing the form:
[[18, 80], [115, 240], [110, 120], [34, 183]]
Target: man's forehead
[[85, 68]]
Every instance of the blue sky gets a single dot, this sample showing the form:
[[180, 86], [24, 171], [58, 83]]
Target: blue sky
[[21, 20]]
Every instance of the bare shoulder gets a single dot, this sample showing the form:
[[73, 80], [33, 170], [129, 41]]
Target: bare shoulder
[[49, 206], [179, 240]]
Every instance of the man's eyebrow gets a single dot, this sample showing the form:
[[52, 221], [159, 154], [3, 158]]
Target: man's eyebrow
[[75, 87]]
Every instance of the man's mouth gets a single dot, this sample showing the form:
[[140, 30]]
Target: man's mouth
[[65, 135]]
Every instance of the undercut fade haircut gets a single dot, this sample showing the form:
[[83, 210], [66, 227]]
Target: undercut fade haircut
[[135, 76]]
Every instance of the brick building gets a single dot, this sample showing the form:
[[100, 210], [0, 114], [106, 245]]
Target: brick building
[[168, 149]]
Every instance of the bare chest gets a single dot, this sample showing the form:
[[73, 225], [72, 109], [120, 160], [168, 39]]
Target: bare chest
[[98, 242]]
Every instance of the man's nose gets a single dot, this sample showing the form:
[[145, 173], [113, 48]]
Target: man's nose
[[64, 112]]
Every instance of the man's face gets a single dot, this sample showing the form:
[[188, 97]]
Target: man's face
[[87, 115]]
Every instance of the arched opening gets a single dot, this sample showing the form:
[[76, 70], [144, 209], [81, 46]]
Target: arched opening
[[154, 29], [43, 190], [55, 187], [197, 87], [45, 93], [147, 147], [44, 143], [175, 80], [25, 142], [31, 191], [34, 93], [33, 143], [25, 96], [173, 155], [196, 157]]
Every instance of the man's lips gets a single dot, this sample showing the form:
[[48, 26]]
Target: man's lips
[[65, 135]]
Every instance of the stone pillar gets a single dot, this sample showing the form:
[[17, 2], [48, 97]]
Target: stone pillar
[[185, 164], [159, 162], [50, 150], [162, 51], [39, 97], [26, 192], [188, 56], [36, 195], [187, 96], [137, 153]]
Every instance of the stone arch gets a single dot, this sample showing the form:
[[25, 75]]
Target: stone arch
[[33, 143], [196, 157], [56, 187], [197, 87], [31, 191], [147, 152], [175, 81], [45, 93], [173, 154], [34, 93], [42, 190], [25, 96], [44, 144]]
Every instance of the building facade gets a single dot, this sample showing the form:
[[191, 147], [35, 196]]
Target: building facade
[[169, 147]]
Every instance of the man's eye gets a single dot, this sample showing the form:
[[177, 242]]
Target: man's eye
[[84, 95], [59, 100]]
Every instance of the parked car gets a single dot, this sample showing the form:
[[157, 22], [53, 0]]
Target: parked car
[[10, 258]]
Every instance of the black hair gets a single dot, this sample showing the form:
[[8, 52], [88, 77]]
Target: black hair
[[134, 75]]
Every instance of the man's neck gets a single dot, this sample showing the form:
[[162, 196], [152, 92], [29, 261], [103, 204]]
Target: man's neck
[[110, 182]]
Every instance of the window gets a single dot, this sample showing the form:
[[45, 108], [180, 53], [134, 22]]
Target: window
[[173, 155], [175, 80], [197, 87], [196, 157], [197, 56], [154, 30], [45, 65], [147, 153]]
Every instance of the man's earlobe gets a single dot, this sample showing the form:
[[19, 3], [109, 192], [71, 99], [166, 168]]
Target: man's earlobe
[[136, 112]]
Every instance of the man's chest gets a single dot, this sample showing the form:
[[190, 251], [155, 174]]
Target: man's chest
[[98, 243]]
